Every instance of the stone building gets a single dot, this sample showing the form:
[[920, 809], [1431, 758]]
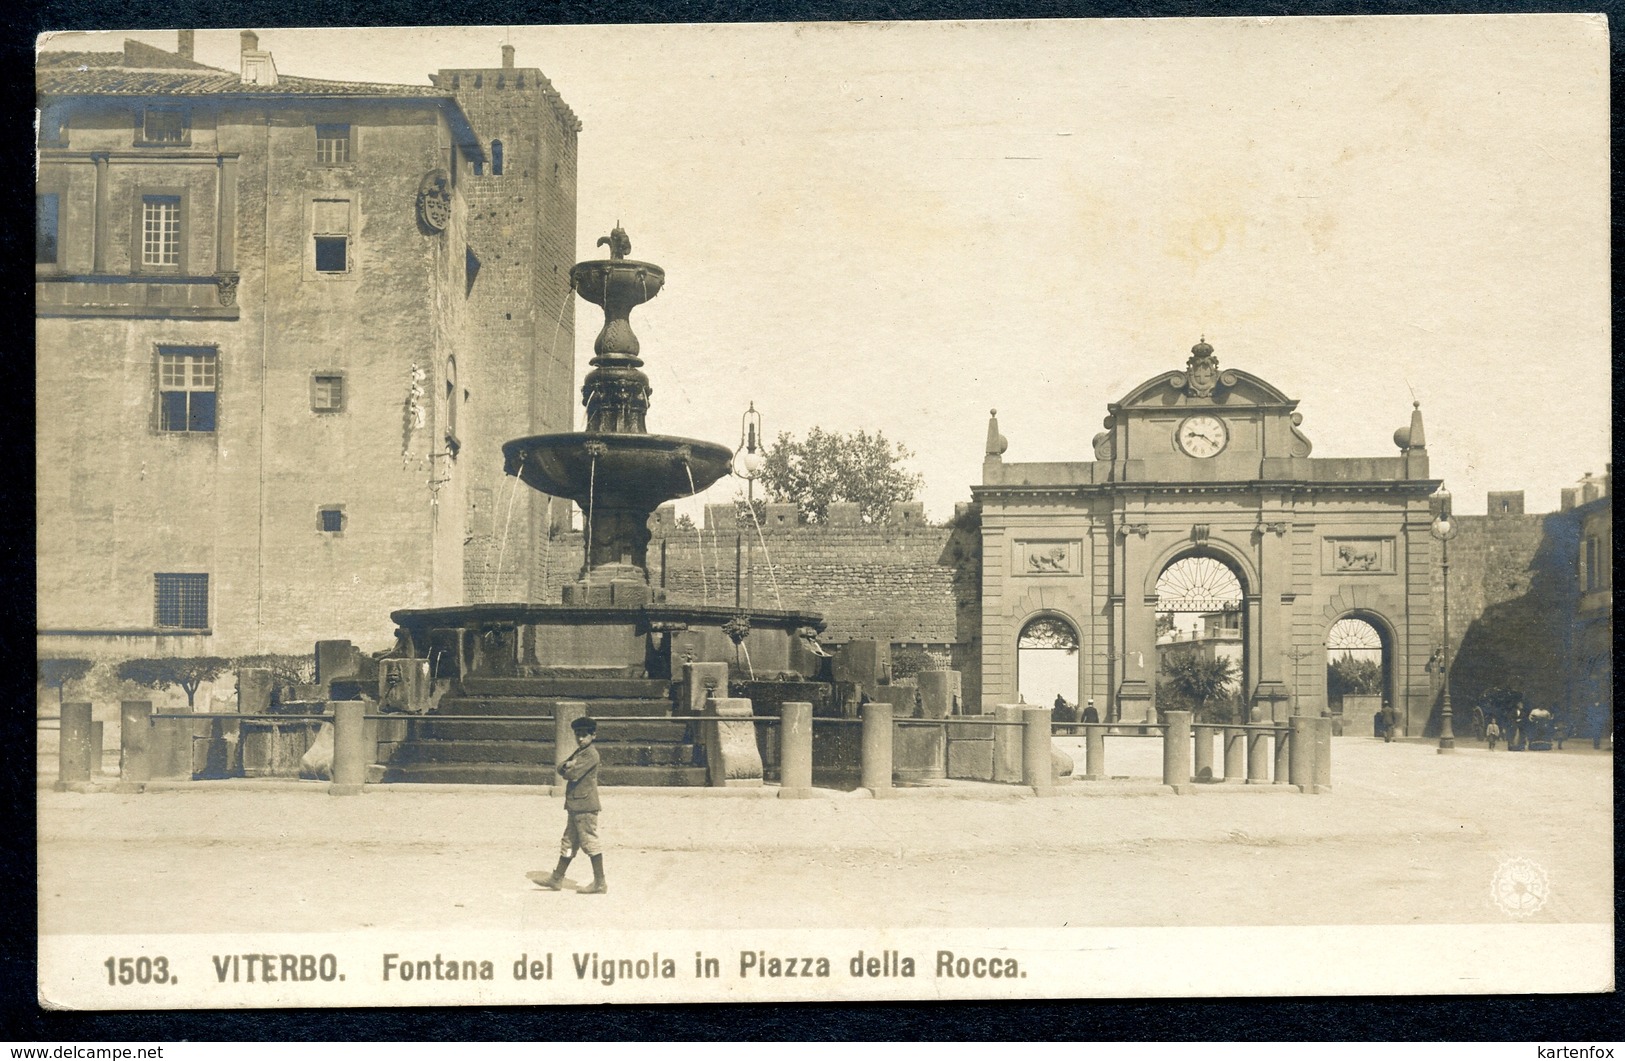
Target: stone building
[[270, 379], [1203, 498], [1591, 666]]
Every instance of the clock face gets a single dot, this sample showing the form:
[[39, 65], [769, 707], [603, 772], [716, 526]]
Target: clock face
[[1201, 436]]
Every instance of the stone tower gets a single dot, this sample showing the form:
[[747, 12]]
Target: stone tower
[[520, 312]]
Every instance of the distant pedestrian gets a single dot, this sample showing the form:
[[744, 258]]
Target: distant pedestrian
[[1492, 734], [1090, 714], [1390, 723], [581, 807]]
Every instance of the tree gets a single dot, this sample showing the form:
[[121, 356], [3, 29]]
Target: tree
[[56, 672], [1347, 676], [1199, 679], [828, 466], [187, 672]]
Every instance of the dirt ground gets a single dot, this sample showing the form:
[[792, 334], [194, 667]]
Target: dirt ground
[[1407, 836]]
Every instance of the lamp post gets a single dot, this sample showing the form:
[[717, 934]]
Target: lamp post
[[1444, 528], [748, 462]]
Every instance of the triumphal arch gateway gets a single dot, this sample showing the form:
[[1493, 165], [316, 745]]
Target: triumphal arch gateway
[[1204, 530]]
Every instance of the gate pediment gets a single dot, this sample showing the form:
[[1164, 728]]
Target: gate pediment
[[1231, 387]]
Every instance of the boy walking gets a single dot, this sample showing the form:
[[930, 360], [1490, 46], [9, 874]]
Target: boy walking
[[1492, 734], [580, 772]]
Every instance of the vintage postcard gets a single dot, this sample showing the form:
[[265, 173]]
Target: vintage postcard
[[824, 512]]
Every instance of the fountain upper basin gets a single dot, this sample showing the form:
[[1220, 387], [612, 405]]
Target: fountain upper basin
[[634, 470], [621, 282]]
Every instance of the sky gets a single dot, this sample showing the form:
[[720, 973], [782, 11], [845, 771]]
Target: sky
[[900, 226]]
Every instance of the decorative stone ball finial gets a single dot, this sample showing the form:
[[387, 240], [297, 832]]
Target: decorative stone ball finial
[[619, 244], [996, 443]]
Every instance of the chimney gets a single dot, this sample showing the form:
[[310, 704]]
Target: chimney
[[183, 43], [258, 67], [507, 57]]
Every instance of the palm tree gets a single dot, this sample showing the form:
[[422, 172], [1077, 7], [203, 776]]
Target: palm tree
[[1199, 679]]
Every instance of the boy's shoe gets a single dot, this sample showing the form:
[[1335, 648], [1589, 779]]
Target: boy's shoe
[[597, 887], [547, 880]]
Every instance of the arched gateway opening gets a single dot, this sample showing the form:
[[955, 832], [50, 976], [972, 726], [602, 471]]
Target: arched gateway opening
[[1359, 671], [1202, 664], [1047, 661]]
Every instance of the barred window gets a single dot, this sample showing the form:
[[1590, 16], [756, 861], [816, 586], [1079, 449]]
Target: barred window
[[332, 143], [327, 392], [164, 125], [187, 380], [182, 601], [161, 230]]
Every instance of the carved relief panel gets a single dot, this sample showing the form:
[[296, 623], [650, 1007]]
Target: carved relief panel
[[1357, 556], [1047, 557]]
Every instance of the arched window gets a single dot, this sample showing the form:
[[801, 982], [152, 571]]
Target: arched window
[[496, 158]]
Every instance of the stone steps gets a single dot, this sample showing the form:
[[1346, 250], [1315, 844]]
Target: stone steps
[[440, 749], [538, 753], [540, 775], [606, 707], [569, 688], [608, 730]]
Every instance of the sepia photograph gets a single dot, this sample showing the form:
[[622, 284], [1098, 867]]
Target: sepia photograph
[[823, 512]]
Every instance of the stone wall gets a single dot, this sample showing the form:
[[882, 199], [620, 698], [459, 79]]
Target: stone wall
[[1513, 593]]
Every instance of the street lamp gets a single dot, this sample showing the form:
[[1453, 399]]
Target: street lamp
[[749, 460], [1444, 528]]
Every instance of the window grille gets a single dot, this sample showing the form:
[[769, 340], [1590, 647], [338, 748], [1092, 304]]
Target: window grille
[[182, 601]]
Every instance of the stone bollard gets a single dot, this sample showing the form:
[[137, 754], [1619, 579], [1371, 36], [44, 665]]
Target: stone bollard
[[939, 693], [1094, 752], [1323, 753], [876, 760], [1176, 751], [795, 750], [1283, 753], [1007, 743], [1204, 753], [564, 738], [1301, 758], [1235, 751], [73, 748], [1037, 764], [135, 745], [349, 748], [1258, 756], [732, 758]]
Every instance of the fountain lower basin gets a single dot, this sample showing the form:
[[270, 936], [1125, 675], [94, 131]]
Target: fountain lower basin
[[650, 641]]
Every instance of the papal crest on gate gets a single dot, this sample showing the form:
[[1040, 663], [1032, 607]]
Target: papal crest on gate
[[1201, 371]]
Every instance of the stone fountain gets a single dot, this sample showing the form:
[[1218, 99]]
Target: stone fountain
[[615, 642]]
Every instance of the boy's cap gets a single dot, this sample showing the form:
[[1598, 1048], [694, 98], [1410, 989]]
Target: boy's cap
[[584, 725]]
